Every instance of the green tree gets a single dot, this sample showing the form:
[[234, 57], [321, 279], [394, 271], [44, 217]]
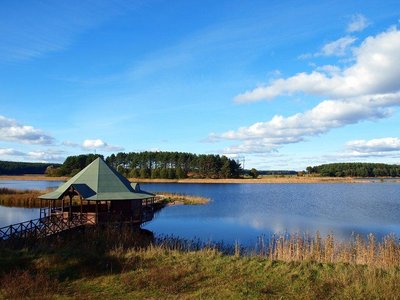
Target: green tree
[[253, 173]]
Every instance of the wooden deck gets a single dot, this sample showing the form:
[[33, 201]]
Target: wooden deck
[[42, 227], [55, 221]]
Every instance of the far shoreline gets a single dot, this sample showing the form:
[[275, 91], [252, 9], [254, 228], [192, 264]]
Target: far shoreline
[[268, 179]]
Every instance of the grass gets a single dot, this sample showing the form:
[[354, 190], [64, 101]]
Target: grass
[[114, 263], [20, 198], [262, 179], [181, 199]]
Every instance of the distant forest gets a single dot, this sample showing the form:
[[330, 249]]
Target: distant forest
[[168, 165], [355, 170], [21, 168], [177, 165]]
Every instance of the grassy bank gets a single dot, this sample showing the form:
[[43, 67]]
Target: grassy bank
[[262, 179], [111, 264]]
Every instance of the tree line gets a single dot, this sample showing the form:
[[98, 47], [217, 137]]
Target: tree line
[[355, 170], [21, 168], [174, 165], [148, 164], [72, 165]]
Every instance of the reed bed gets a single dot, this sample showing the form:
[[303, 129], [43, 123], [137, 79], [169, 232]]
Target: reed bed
[[176, 199], [26, 198], [20, 198], [383, 253], [370, 251]]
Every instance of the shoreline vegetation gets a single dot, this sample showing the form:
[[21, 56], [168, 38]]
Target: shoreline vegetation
[[29, 198], [261, 179], [123, 263]]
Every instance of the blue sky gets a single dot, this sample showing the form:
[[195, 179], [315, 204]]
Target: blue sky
[[285, 84]]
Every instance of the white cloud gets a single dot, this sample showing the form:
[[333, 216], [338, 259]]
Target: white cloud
[[45, 156], [372, 72], [358, 23], [368, 89], [338, 47], [251, 146], [388, 144], [329, 114], [99, 145], [10, 152], [48, 155], [12, 131]]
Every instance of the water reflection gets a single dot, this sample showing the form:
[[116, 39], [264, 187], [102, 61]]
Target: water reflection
[[13, 215], [242, 212]]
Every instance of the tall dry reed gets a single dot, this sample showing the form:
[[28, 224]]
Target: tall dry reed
[[358, 250]]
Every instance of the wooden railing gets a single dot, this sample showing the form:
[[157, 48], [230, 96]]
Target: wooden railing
[[56, 220], [42, 227]]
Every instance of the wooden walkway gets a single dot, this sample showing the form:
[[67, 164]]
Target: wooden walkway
[[42, 227]]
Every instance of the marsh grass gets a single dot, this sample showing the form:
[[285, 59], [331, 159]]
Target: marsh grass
[[357, 250], [128, 263], [176, 199], [20, 198]]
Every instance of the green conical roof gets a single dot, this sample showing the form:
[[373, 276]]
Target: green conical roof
[[98, 181]]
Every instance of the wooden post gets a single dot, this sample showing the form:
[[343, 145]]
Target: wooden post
[[70, 207], [97, 212]]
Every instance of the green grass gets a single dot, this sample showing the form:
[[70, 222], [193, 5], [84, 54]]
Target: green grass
[[112, 264]]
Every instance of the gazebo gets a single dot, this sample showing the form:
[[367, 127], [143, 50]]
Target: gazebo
[[99, 194]]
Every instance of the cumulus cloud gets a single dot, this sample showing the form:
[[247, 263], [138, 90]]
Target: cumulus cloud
[[329, 114], [99, 145], [372, 72], [49, 155], [10, 152], [368, 89], [45, 156], [388, 144], [338, 47], [12, 131], [358, 23]]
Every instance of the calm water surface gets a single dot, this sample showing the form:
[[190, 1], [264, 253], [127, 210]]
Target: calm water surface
[[29, 184], [243, 212]]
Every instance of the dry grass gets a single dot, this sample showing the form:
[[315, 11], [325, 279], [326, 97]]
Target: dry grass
[[33, 177], [265, 179], [383, 254], [181, 199], [20, 198], [22, 284], [262, 179], [115, 263]]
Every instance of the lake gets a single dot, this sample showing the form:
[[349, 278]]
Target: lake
[[243, 212], [30, 184]]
